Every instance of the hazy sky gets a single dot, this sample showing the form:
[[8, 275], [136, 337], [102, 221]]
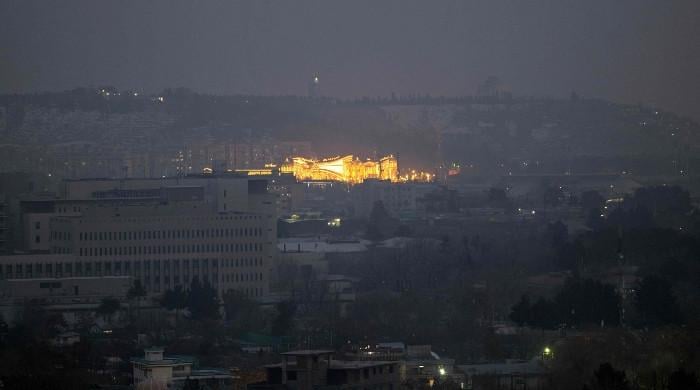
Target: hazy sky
[[625, 50]]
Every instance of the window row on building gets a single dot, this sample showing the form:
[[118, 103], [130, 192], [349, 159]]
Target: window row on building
[[163, 234], [134, 268], [246, 275], [165, 249]]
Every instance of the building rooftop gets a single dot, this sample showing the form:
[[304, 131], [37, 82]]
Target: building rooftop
[[165, 361], [308, 352], [505, 368], [293, 245], [337, 278], [206, 372], [356, 364], [393, 345], [340, 364]]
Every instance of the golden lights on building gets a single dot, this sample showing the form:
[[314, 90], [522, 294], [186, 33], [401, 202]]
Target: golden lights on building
[[417, 176], [347, 169]]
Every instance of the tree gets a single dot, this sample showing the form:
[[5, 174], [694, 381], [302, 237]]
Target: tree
[[637, 217], [558, 233], [108, 307], [520, 313], [467, 259], [580, 301], [662, 200], [373, 233], [497, 196], [445, 244], [3, 328], [682, 380], [595, 220], [202, 300], [587, 301], [656, 303], [403, 231], [592, 200], [242, 313], [283, 322], [545, 314], [606, 377], [175, 299], [569, 255], [378, 214], [379, 221], [136, 291], [553, 196], [38, 323]]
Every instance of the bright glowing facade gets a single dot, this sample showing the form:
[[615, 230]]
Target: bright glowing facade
[[346, 169]]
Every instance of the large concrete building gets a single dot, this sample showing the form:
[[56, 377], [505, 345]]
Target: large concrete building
[[4, 226], [164, 232], [399, 199], [48, 280]]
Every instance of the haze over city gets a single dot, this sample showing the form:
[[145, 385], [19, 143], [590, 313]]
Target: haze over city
[[627, 51]]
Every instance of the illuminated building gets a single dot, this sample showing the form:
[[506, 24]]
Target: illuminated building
[[346, 169], [417, 176]]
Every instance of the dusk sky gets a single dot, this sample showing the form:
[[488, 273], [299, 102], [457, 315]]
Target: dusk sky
[[625, 50]]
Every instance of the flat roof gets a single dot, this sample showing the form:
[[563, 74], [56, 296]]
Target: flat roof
[[308, 352], [531, 367], [357, 364]]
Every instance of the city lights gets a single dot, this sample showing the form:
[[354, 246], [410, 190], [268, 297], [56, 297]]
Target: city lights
[[346, 169], [417, 176]]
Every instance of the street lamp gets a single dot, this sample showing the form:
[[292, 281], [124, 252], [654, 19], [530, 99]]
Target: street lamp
[[547, 353]]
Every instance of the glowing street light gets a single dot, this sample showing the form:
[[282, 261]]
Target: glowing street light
[[547, 353]]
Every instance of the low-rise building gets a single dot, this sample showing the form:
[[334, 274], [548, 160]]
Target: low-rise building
[[508, 375], [176, 372], [423, 367], [316, 369], [399, 199], [419, 366]]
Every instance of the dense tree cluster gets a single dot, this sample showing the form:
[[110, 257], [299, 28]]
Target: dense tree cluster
[[579, 302], [200, 299]]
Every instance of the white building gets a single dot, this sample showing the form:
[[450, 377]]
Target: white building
[[399, 199], [163, 232], [174, 372]]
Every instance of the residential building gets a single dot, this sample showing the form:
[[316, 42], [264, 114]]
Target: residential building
[[176, 372], [314, 369], [508, 375], [430, 370], [420, 367]]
